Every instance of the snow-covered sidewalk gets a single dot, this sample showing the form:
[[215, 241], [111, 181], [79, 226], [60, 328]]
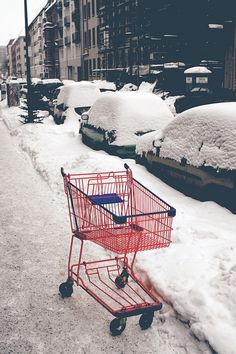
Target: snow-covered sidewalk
[[196, 274]]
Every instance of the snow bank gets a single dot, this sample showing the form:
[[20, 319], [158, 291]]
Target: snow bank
[[128, 113], [105, 85], [129, 87], [146, 86], [197, 70], [78, 94]]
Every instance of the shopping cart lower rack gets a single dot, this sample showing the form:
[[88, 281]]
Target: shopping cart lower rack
[[115, 211]]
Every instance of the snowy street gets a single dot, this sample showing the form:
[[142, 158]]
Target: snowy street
[[196, 273]]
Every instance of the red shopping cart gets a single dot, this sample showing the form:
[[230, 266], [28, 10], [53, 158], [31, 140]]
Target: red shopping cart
[[118, 213]]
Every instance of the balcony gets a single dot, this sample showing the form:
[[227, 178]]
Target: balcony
[[67, 40], [76, 37], [67, 21], [66, 3]]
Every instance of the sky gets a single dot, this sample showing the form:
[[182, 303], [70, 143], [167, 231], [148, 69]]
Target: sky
[[12, 17]]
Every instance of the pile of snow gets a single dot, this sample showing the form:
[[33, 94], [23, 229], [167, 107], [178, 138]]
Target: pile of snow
[[128, 113], [68, 82], [197, 70], [78, 94], [209, 137], [146, 86], [105, 85], [50, 81], [129, 87]]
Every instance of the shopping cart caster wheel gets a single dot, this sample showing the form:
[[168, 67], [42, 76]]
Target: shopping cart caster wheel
[[66, 289], [122, 279], [117, 326], [146, 320], [120, 282]]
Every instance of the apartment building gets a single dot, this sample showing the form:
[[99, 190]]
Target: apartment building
[[16, 57], [51, 41], [91, 56], [3, 61], [230, 58], [9, 57], [69, 39], [37, 46]]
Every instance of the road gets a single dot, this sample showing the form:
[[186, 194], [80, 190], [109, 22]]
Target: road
[[34, 239]]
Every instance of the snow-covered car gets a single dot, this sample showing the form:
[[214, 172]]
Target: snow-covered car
[[78, 97], [104, 85], [196, 152], [116, 121]]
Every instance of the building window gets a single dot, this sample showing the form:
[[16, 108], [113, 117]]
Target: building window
[[85, 39], [93, 7], [89, 38], [94, 37], [89, 10], [94, 63], [99, 63], [85, 11], [90, 67]]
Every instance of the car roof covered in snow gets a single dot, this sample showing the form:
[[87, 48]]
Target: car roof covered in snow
[[78, 94], [129, 113], [204, 136]]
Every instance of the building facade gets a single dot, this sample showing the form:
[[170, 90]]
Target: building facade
[[3, 61], [69, 39], [51, 45], [91, 56], [87, 39], [230, 58], [16, 57], [37, 46]]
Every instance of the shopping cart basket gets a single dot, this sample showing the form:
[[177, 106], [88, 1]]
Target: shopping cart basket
[[118, 213]]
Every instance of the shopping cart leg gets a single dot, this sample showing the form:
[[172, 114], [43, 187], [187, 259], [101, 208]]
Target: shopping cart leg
[[117, 326]]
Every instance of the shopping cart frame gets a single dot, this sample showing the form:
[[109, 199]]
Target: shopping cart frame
[[122, 293]]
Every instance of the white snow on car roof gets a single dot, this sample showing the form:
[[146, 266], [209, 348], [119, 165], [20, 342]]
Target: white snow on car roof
[[197, 70], [78, 94], [204, 135], [128, 113]]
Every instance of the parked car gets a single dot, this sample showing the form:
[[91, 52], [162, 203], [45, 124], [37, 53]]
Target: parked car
[[78, 96], [199, 96], [196, 153], [104, 85], [116, 121]]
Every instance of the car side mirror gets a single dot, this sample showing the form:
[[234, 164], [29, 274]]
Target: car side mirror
[[84, 117]]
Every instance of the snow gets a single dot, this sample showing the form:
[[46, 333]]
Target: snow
[[209, 137], [68, 82], [128, 113], [105, 85], [146, 86], [50, 81], [197, 70], [196, 275], [129, 87], [78, 94]]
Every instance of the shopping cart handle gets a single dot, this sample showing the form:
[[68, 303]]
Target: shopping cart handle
[[62, 172], [126, 166]]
